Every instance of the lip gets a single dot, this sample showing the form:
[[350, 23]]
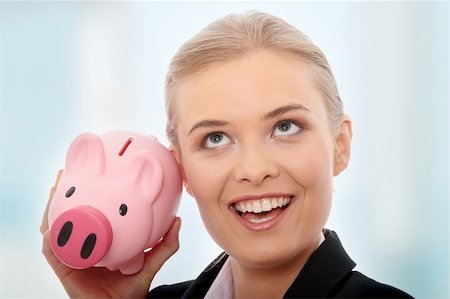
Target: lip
[[267, 224]]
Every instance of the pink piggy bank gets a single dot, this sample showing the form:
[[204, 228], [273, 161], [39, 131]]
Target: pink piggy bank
[[118, 196]]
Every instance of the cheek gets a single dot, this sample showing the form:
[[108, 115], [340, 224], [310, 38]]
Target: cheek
[[206, 179], [311, 166], [313, 170], [196, 177]]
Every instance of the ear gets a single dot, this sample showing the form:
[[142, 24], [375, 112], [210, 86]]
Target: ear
[[86, 154], [176, 154], [146, 174], [342, 145]]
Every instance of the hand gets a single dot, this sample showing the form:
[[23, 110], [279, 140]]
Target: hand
[[99, 282]]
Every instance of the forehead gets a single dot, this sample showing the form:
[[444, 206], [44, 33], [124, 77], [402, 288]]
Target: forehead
[[246, 87]]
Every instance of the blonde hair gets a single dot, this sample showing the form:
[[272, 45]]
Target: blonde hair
[[237, 35]]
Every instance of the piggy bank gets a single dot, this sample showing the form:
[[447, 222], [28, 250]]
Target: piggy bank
[[117, 197]]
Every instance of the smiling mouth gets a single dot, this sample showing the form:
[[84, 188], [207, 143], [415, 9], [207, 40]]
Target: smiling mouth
[[262, 210]]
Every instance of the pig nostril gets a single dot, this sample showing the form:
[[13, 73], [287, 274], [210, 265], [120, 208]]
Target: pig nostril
[[88, 246], [65, 233]]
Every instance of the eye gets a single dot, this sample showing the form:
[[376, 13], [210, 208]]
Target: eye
[[123, 209], [216, 139], [70, 191], [285, 128]]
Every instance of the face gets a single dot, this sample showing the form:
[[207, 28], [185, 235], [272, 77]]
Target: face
[[258, 156]]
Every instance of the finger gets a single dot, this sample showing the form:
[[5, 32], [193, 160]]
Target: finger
[[159, 254], [46, 249], [59, 268], [44, 223], [58, 177]]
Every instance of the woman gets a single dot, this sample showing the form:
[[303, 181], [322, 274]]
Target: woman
[[257, 126]]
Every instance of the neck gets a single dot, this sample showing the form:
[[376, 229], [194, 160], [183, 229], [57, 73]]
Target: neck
[[269, 282]]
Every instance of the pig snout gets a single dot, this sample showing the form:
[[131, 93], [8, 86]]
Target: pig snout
[[81, 237]]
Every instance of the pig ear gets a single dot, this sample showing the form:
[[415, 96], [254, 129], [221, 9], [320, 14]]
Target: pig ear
[[86, 154], [146, 174]]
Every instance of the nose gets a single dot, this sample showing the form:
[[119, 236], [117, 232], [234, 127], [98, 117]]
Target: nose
[[81, 237], [255, 165]]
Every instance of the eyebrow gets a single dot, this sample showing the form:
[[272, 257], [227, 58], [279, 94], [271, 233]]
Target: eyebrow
[[208, 123], [269, 115], [284, 109]]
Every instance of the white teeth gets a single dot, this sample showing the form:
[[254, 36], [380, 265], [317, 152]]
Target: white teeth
[[243, 208], [261, 205], [274, 203], [249, 206], [257, 207], [280, 202], [266, 205]]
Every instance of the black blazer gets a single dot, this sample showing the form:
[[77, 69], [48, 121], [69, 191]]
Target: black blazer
[[327, 274]]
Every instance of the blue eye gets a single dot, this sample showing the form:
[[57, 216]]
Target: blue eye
[[216, 139], [286, 127]]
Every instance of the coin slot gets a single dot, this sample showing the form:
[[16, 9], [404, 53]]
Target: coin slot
[[125, 146]]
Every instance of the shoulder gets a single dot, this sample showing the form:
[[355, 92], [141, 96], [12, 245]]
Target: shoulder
[[358, 285], [170, 291]]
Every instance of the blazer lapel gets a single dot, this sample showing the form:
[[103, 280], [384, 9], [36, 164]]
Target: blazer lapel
[[201, 285], [326, 267]]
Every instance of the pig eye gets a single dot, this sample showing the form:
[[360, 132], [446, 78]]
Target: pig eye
[[123, 209], [70, 191]]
